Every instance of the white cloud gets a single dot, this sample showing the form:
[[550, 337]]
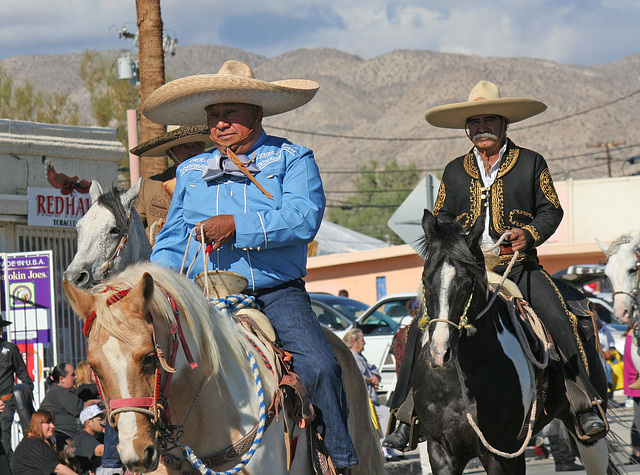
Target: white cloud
[[567, 31]]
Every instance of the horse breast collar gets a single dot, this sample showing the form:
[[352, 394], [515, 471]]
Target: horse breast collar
[[146, 405]]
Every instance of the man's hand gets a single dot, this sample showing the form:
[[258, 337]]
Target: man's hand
[[373, 381], [1, 405], [518, 239], [217, 230]]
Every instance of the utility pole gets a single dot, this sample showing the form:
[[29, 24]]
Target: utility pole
[[151, 57], [607, 146]]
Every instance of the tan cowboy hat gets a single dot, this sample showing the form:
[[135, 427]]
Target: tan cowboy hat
[[484, 99], [184, 100], [158, 146]]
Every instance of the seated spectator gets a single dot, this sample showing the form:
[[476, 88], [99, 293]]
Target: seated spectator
[[66, 448], [35, 454], [90, 440], [86, 383], [62, 400]]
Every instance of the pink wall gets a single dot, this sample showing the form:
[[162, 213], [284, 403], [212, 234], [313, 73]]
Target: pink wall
[[400, 265]]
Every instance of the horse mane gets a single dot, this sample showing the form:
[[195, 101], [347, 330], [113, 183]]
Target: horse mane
[[451, 242], [111, 201], [211, 331]]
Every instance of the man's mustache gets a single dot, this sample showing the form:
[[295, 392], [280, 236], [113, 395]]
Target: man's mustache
[[484, 135]]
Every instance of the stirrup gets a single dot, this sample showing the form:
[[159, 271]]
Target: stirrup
[[415, 436], [595, 437]]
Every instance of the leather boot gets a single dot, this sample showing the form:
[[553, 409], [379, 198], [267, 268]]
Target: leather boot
[[399, 438], [591, 424]]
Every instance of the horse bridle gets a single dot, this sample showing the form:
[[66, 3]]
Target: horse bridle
[[633, 293], [154, 407], [119, 246]]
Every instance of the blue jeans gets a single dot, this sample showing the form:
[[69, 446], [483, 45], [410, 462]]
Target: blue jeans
[[110, 457], [289, 310]]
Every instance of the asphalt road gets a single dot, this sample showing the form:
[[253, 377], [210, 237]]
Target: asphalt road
[[620, 419]]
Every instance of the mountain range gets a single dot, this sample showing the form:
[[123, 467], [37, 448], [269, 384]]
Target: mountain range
[[373, 109]]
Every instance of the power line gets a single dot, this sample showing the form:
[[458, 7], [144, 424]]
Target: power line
[[428, 139]]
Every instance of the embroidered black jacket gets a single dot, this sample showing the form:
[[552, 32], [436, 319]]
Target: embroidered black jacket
[[522, 196]]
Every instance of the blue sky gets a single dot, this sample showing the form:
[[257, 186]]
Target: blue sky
[[585, 32]]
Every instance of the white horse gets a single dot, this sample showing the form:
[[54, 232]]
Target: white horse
[[622, 271], [99, 235], [110, 237]]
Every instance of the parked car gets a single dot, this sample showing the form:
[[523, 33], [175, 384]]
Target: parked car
[[379, 323], [337, 313]]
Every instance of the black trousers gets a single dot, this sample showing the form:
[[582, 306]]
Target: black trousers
[[544, 297]]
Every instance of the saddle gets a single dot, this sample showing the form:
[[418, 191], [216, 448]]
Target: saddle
[[290, 397]]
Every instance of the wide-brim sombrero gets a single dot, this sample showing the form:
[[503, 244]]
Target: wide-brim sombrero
[[183, 100], [158, 146], [484, 99]]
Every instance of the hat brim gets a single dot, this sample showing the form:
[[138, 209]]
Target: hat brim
[[5, 323], [454, 116], [183, 101], [158, 146]]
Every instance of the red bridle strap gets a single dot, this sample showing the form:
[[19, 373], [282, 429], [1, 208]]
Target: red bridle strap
[[162, 388], [146, 402], [110, 301]]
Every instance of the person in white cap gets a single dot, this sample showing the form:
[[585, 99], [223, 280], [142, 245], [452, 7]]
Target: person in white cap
[[259, 201], [89, 441], [179, 144], [510, 187]]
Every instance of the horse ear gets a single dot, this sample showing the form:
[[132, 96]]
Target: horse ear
[[474, 236], [603, 246], [635, 240], [81, 300], [129, 197], [140, 296], [95, 190], [429, 225]]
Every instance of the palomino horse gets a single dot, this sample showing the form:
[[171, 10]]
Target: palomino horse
[[88, 268], [110, 236], [474, 383], [623, 273], [131, 323]]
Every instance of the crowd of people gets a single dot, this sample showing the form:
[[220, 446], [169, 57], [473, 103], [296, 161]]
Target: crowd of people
[[65, 434]]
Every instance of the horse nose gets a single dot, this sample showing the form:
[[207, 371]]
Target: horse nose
[[79, 279], [150, 457]]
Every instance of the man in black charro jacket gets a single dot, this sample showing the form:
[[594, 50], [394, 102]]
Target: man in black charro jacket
[[512, 188]]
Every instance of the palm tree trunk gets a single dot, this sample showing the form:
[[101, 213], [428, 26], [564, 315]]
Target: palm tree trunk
[[151, 56]]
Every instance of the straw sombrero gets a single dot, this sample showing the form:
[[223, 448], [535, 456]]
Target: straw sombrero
[[183, 101], [158, 146], [484, 99]]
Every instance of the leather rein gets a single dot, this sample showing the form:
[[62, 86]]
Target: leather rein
[[156, 406]]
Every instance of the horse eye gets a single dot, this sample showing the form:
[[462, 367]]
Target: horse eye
[[114, 231], [149, 361]]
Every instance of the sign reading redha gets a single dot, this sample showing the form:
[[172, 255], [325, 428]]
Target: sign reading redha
[[48, 207]]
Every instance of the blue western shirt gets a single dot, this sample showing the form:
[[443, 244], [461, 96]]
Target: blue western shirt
[[270, 245]]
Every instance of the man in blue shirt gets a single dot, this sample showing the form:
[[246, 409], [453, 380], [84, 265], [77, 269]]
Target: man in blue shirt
[[259, 201]]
